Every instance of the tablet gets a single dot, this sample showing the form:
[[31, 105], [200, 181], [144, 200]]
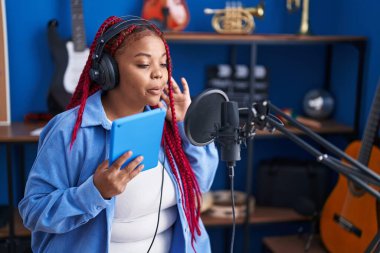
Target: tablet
[[141, 133]]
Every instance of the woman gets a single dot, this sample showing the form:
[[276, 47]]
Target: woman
[[75, 201]]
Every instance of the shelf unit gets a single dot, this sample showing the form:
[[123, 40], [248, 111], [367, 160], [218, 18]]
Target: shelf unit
[[15, 136], [359, 42], [328, 127]]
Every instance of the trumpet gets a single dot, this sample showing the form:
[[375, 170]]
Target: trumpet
[[234, 18], [293, 5]]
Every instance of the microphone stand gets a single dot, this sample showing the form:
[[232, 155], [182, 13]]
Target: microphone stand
[[228, 136], [354, 170]]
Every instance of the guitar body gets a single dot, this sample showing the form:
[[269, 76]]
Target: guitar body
[[349, 221], [74, 68], [167, 14], [58, 97]]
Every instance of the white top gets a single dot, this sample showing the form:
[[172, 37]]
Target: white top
[[136, 213]]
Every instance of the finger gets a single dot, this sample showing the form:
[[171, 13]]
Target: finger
[[175, 86], [132, 165], [136, 171], [120, 161], [103, 166], [165, 98], [166, 95], [185, 86]]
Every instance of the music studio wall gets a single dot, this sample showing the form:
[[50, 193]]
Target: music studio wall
[[29, 52], [31, 66]]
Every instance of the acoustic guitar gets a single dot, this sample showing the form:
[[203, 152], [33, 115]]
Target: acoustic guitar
[[170, 15], [349, 218], [69, 57]]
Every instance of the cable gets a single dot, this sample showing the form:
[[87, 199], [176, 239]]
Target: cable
[[159, 208], [232, 173]]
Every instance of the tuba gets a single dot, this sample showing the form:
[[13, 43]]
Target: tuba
[[234, 18]]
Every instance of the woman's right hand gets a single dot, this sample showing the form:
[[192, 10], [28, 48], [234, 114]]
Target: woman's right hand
[[111, 180]]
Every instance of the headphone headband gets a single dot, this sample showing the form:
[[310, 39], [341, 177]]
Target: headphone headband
[[113, 31], [104, 70]]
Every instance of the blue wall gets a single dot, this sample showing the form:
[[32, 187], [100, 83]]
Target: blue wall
[[31, 65], [293, 70]]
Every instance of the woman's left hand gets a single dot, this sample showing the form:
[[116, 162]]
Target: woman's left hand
[[181, 99]]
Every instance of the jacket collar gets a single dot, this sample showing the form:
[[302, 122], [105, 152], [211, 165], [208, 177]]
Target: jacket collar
[[94, 114]]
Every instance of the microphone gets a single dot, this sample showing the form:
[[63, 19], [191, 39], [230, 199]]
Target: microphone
[[211, 117], [229, 132]]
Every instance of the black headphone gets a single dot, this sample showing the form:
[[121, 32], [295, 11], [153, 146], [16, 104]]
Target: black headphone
[[104, 70]]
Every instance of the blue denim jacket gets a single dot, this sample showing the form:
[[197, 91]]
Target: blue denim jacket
[[63, 208]]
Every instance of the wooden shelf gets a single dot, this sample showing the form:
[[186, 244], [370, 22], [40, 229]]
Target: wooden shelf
[[293, 244], [203, 37], [18, 132], [20, 230], [260, 215]]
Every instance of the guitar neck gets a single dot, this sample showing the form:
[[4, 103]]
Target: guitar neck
[[77, 22], [371, 129]]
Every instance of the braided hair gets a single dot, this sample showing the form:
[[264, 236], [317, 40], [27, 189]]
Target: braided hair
[[184, 175]]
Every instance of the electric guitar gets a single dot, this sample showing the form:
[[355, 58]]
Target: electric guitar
[[167, 14], [69, 58], [349, 218]]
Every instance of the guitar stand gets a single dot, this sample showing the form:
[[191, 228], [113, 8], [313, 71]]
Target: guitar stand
[[355, 171], [311, 236]]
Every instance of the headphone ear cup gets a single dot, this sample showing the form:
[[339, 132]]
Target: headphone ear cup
[[107, 75]]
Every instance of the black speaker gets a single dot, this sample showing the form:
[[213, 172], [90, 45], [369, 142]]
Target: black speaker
[[104, 70], [299, 184]]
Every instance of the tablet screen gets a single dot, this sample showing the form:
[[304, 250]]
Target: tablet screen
[[141, 133]]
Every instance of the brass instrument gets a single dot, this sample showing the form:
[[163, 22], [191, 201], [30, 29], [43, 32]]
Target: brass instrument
[[293, 5], [234, 18]]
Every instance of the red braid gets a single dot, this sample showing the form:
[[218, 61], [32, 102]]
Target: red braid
[[191, 191], [189, 188], [85, 87]]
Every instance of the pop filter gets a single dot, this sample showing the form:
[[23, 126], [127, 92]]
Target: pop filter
[[203, 115]]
